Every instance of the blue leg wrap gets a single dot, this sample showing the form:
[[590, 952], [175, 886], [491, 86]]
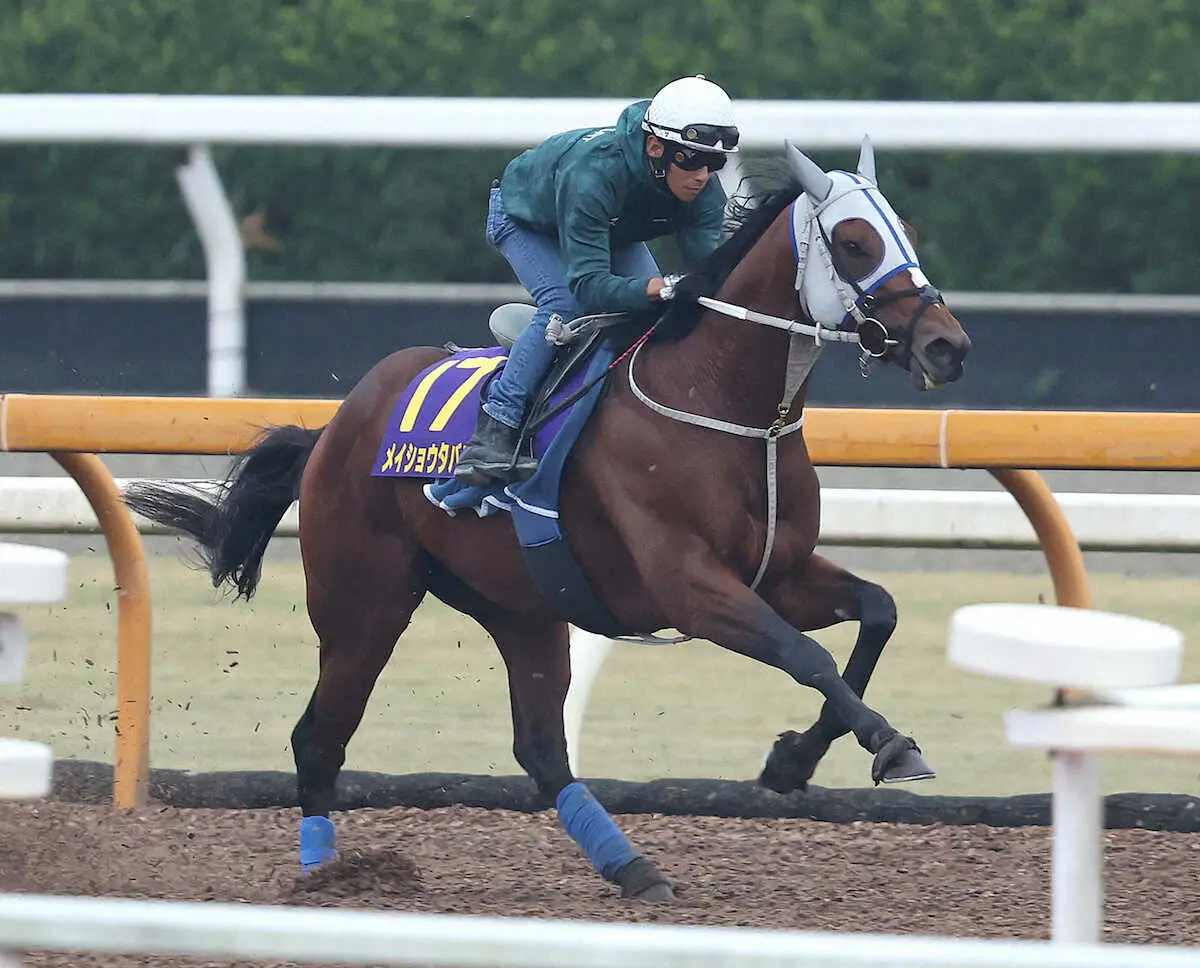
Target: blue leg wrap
[[316, 841], [593, 829]]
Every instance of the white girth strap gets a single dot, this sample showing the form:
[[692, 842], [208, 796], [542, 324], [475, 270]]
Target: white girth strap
[[802, 355]]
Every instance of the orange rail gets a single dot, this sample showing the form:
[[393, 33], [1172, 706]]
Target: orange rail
[[1034, 439], [74, 428]]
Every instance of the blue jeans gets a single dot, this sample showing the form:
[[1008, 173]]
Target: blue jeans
[[541, 270]]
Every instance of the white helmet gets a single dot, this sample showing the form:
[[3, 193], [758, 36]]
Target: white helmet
[[693, 112]]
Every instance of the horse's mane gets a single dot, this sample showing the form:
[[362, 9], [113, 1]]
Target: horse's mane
[[747, 218]]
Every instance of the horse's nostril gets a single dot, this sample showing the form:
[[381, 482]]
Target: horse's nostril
[[941, 352]]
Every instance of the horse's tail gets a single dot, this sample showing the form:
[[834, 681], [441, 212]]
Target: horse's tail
[[234, 525]]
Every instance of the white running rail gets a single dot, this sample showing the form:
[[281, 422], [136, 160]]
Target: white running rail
[[849, 516], [245, 931]]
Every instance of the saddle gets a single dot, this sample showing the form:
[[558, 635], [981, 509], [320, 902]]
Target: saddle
[[578, 341]]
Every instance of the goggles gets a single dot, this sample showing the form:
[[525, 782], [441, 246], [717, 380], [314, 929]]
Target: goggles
[[689, 159], [723, 137]]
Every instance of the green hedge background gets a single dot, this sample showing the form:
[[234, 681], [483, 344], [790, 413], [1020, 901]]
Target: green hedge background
[[987, 222]]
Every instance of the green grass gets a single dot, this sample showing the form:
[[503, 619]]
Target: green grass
[[230, 680]]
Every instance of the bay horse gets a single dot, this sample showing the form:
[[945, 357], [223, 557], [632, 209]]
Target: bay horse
[[676, 519]]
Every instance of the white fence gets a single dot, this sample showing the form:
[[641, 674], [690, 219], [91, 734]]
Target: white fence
[[328, 936], [492, 293], [514, 122], [201, 120], [849, 516]]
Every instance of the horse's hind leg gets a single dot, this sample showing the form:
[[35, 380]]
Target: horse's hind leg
[[359, 605], [825, 595], [537, 655]]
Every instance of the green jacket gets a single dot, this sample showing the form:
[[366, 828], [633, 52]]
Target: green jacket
[[593, 191]]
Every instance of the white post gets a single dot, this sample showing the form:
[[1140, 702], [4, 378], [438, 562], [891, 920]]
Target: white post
[[588, 652], [1077, 882], [28, 575], [226, 263]]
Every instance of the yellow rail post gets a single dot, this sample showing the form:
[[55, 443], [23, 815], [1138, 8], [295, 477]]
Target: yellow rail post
[[1058, 541], [131, 774]]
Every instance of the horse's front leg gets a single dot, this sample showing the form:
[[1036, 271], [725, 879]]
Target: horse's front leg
[[821, 595], [728, 613]]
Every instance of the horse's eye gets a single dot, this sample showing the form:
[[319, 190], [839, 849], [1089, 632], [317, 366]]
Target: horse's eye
[[850, 247]]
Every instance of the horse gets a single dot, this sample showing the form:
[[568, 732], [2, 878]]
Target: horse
[[677, 520]]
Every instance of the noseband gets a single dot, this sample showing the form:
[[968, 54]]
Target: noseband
[[872, 334]]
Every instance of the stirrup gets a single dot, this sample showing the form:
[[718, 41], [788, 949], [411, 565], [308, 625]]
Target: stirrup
[[524, 466], [493, 443]]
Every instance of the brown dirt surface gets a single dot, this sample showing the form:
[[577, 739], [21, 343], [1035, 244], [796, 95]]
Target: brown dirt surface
[[963, 881]]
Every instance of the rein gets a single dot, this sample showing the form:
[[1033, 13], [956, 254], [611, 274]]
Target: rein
[[819, 333], [571, 399]]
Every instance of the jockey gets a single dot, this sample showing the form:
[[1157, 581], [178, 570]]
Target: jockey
[[572, 217]]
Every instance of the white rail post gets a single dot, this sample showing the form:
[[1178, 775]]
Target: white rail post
[[226, 265], [1077, 884], [28, 576], [1081, 653]]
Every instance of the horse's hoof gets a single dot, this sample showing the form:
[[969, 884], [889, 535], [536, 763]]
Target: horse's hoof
[[789, 765], [641, 881], [900, 761], [660, 893], [315, 865], [910, 766], [782, 779]]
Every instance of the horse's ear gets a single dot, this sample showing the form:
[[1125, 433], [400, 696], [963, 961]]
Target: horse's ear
[[816, 184], [866, 160]]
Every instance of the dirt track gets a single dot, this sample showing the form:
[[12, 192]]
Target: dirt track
[[965, 881]]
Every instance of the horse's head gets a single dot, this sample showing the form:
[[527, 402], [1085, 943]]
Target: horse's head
[[857, 267]]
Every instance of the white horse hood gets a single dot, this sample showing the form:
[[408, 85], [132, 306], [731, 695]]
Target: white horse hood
[[824, 295]]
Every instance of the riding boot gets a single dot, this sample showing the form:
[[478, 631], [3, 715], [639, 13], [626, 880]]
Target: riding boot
[[489, 455]]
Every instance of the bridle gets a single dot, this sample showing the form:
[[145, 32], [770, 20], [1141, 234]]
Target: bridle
[[872, 334], [869, 332]]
